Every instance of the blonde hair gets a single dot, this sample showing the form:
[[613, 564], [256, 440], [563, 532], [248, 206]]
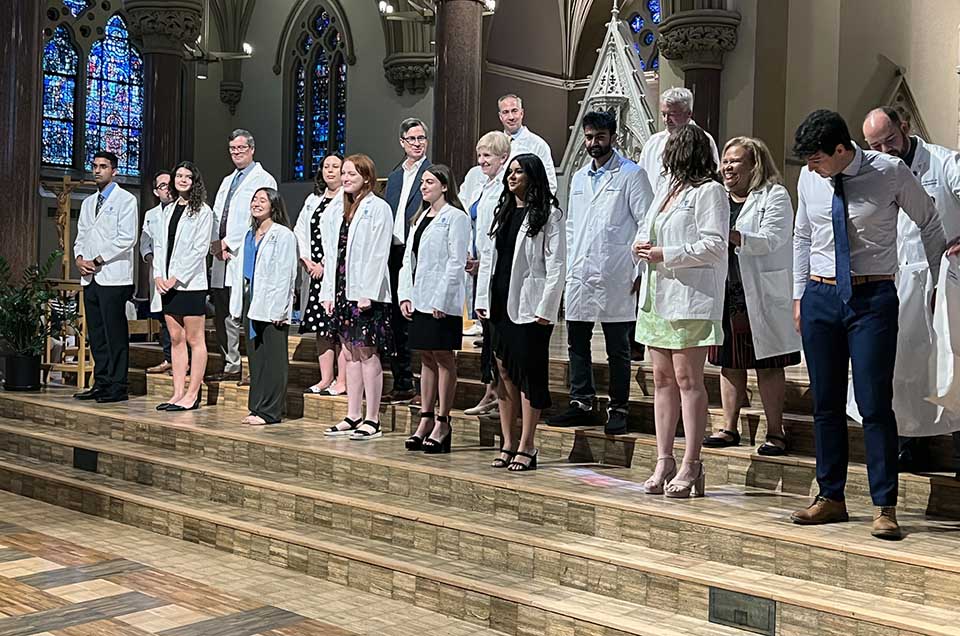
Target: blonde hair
[[495, 142], [764, 171]]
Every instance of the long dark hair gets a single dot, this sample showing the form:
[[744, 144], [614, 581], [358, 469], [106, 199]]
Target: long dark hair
[[538, 199], [688, 158], [319, 185], [198, 191], [278, 209], [445, 176]]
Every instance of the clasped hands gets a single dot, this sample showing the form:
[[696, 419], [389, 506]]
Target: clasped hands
[[87, 268], [647, 252], [220, 251]]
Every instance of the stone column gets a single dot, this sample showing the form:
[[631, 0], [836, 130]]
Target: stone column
[[20, 96], [456, 95], [697, 39]]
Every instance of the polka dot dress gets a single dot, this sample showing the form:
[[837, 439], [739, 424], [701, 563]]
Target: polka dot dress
[[315, 319]]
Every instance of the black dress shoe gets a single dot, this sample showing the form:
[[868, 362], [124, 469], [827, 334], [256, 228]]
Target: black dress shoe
[[177, 407], [112, 397], [89, 394], [163, 406]]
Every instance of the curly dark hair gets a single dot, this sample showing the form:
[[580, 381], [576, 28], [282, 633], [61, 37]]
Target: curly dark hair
[[822, 131], [538, 199], [197, 196], [688, 158]]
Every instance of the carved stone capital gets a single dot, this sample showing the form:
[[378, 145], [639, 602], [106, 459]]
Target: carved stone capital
[[164, 26], [230, 94], [698, 38], [410, 72]]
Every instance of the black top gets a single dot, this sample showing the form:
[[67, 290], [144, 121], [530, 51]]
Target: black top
[[172, 233], [424, 222], [733, 264], [506, 244]]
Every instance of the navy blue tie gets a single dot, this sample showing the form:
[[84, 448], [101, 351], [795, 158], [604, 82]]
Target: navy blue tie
[[841, 241]]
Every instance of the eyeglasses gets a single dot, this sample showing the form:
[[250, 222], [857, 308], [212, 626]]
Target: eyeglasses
[[238, 149], [415, 140], [162, 186]]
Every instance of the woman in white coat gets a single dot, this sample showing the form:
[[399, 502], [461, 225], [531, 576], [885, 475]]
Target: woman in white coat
[[357, 293], [268, 263], [180, 277], [432, 291], [682, 246], [309, 232], [522, 273], [757, 308], [480, 193]]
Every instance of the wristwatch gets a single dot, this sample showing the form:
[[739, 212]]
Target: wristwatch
[[98, 261]]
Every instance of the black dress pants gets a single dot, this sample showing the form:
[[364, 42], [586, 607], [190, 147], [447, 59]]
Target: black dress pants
[[108, 335], [400, 362]]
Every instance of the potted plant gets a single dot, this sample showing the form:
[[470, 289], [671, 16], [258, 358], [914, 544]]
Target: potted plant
[[24, 325]]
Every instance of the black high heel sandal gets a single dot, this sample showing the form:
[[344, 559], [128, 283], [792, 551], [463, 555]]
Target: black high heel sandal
[[435, 447], [500, 462], [519, 467], [415, 442]]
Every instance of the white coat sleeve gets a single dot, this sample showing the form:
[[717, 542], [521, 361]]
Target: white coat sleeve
[[951, 172], [482, 301], [547, 158], [555, 257], [330, 265], [801, 243], [712, 213], [775, 229], [286, 276], [458, 244], [146, 238], [128, 220], [302, 229], [918, 205], [405, 277], [193, 259], [639, 196], [376, 265], [84, 224]]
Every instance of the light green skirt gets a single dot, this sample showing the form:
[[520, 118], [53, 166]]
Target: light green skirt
[[654, 331]]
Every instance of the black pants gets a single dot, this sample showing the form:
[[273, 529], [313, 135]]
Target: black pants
[[400, 362], [617, 336], [165, 338], [861, 333], [269, 369], [108, 335]]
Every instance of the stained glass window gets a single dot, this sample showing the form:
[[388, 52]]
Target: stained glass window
[[77, 6], [319, 95], [636, 23], [644, 29], [653, 6], [114, 118], [60, 65]]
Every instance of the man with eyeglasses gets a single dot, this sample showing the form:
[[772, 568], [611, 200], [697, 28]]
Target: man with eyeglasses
[[231, 220], [152, 226], [403, 195], [522, 139]]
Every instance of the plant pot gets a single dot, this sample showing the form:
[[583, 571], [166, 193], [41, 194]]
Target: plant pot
[[22, 373]]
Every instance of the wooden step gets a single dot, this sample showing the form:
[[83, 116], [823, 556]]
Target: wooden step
[[738, 527]]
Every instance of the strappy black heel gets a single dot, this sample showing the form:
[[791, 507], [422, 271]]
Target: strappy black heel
[[435, 447], [500, 462], [519, 467], [415, 442]]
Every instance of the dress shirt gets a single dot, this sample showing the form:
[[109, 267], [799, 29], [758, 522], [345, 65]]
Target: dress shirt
[[651, 157], [525, 140], [595, 174], [876, 186], [400, 217]]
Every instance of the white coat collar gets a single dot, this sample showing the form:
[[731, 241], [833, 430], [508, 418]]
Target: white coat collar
[[921, 158]]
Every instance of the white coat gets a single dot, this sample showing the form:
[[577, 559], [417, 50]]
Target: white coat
[[188, 263], [528, 141], [602, 220], [765, 256], [486, 192], [651, 157], [151, 226], [274, 277], [226, 273], [368, 250], [433, 279], [111, 235], [301, 230], [693, 232], [537, 273], [915, 372]]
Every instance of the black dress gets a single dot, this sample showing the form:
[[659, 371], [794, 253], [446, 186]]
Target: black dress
[[426, 332], [181, 302], [737, 352], [522, 349], [315, 319]]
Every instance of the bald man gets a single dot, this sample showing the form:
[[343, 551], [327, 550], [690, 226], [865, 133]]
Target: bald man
[[938, 170]]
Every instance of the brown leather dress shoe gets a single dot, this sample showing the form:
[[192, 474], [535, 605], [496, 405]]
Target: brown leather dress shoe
[[163, 367], [885, 524], [396, 396], [822, 510]]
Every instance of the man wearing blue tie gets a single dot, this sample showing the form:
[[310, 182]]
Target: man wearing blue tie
[[845, 303]]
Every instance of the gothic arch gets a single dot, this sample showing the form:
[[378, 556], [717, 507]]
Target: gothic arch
[[296, 24]]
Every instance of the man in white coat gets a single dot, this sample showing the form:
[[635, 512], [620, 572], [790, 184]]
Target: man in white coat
[[152, 225], [231, 220], [522, 139], [914, 377], [104, 250], [676, 109], [609, 198]]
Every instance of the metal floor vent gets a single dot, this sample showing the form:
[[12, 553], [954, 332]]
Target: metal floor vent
[[85, 459], [751, 613]]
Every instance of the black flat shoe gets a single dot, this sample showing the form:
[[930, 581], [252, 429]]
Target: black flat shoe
[[109, 399], [769, 449], [89, 394], [717, 440], [177, 407], [436, 446], [415, 442], [163, 406], [519, 467]]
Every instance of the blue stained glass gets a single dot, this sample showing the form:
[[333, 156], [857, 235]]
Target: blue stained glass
[[299, 121], [60, 65], [77, 6], [653, 6], [643, 65], [322, 22], [648, 38], [341, 108], [114, 118], [655, 65], [319, 109], [306, 43], [636, 23], [636, 47]]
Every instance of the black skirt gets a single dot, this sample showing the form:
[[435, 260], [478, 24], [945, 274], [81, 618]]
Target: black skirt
[[181, 302], [435, 334], [524, 352]]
